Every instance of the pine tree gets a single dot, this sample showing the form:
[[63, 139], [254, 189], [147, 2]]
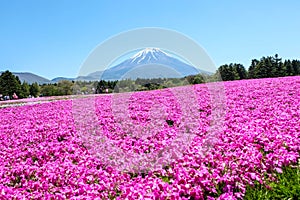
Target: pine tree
[[25, 90], [34, 89], [277, 70], [289, 70], [296, 67], [9, 84], [253, 68], [240, 71]]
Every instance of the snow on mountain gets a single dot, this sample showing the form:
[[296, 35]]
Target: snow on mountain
[[150, 63], [147, 63], [148, 54]]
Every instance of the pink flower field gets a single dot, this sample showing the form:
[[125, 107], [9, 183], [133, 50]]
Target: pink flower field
[[159, 144]]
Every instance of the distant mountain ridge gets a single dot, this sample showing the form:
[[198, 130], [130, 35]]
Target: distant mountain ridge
[[57, 79], [147, 63], [30, 77]]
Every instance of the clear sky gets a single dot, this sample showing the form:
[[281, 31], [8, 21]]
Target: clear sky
[[53, 37]]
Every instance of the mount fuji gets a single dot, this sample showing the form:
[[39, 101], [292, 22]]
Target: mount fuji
[[149, 63]]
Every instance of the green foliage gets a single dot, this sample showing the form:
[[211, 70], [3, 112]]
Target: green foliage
[[273, 67], [170, 122], [128, 85], [34, 90], [49, 90], [289, 70], [9, 84], [231, 72], [166, 179], [252, 69], [65, 87], [240, 71], [287, 186], [102, 85], [195, 79], [265, 67], [84, 87], [296, 66], [25, 90]]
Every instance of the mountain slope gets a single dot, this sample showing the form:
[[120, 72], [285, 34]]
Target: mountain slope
[[30, 77], [57, 79], [150, 63]]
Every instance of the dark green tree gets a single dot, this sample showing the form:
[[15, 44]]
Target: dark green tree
[[49, 90], [25, 90], [288, 68], [101, 87], [233, 71], [193, 79], [277, 69], [34, 89], [240, 71], [65, 87], [264, 68], [198, 79], [252, 69], [226, 72], [9, 84], [296, 66]]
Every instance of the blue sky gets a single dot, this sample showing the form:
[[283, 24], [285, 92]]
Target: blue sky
[[53, 38]]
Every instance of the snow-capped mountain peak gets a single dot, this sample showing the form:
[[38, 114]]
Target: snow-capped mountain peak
[[148, 55], [150, 63]]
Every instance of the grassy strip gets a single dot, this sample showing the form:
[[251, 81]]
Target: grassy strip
[[287, 186]]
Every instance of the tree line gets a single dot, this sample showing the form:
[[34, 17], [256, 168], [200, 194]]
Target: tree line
[[11, 87], [266, 67]]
